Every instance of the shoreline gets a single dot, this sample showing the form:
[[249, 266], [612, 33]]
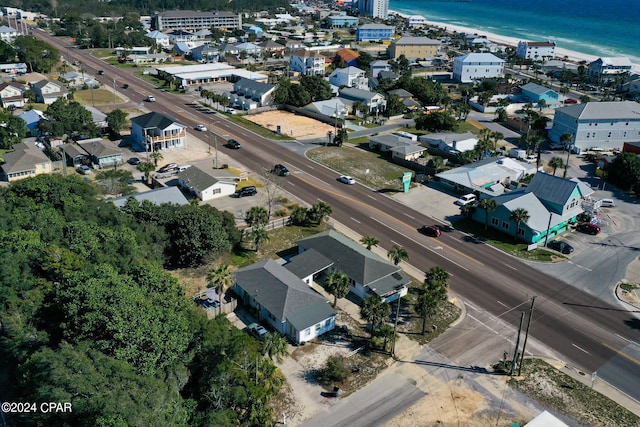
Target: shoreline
[[572, 55]]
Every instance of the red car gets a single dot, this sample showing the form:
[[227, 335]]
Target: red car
[[570, 101], [431, 230], [588, 228]]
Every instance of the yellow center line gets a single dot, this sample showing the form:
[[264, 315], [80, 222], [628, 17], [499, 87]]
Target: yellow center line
[[381, 212], [626, 356]]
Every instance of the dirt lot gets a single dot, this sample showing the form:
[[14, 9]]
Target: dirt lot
[[298, 127]]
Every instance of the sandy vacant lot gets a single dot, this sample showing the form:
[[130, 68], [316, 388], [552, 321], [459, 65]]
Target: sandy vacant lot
[[298, 127]]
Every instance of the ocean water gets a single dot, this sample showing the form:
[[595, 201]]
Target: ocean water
[[594, 27]]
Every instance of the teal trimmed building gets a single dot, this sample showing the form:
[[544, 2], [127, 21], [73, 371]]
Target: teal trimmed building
[[553, 203]]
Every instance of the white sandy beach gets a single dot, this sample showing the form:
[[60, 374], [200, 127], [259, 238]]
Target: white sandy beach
[[510, 41]]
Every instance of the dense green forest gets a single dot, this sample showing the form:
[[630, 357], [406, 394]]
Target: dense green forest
[[90, 315], [144, 7]]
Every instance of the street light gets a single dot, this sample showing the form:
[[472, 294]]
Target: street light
[[114, 91], [215, 141]]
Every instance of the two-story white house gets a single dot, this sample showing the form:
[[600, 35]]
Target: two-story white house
[[307, 62], [598, 124], [248, 94], [536, 51], [48, 91], [161, 39], [157, 132], [12, 94], [415, 21], [349, 77], [477, 66], [375, 102], [606, 67]]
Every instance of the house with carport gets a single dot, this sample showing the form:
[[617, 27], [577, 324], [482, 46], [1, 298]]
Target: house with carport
[[207, 184], [553, 204], [278, 297], [368, 273]]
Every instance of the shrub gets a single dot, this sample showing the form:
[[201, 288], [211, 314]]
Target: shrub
[[335, 369]]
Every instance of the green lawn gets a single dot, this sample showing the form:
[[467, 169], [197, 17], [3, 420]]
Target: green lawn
[[96, 97]]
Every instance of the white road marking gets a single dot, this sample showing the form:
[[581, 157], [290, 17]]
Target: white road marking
[[578, 265], [511, 267], [484, 324], [291, 183], [579, 348], [320, 200], [471, 305], [355, 220], [627, 340], [410, 216], [502, 304], [371, 197], [396, 243], [438, 248]]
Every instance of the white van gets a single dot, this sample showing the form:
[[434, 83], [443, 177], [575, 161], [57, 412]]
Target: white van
[[466, 199], [607, 203]]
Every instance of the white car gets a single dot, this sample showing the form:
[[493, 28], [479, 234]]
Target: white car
[[531, 159], [466, 199], [84, 169], [607, 203], [201, 128], [347, 179], [151, 98]]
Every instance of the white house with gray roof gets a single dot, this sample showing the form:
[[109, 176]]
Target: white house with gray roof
[[158, 132], [349, 77], [8, 34], [448, 142], [161, 39], [368, 273], [24, 161], [489, 176], [610, 66], [399, 147], [605, 125], [375, 102], [249, 94], [284, 301], [477, 66], [207, 185]]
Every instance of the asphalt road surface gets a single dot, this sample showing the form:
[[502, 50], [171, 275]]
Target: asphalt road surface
[[587, 332]]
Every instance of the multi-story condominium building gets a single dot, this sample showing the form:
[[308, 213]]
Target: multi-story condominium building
[[598, 124], [307, 62], [374, 33], [477, 66], [374, 8], [413, 47], [193, 21], [537, 51], [603, 67], [416, 21]]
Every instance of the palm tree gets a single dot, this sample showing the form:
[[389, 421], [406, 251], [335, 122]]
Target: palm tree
[[566, 139], [425, 306], [369, 242], [386, 332], [518, 216], [434, 290], [436, 274], [555, 163], [275, 345], [437, 163], [397, 254], [487, 205], [156, 156], [259, 236], [337, 284], [219, 278], [257, 216], [374, 310], [146, 168], [468, 209]]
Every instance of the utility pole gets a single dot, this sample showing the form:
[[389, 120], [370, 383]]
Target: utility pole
[[515, 352], [526, 334], [395, 327]]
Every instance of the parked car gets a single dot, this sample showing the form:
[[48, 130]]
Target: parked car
[[134, 161], [232, 143], [570, 101], [560, 246], [466, 199], [345, 179], [84, 169], [230, 110], [125, 86], [168, 168], [151, 98], [183, 168], [556, 146], [588, 228], [607, 203], [431, 230], [101, 72], [201, 128], [257, 331], [247, 191], [531, 159], [280, 170]]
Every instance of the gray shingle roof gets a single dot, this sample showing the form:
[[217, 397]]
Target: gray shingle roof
[[553, 189], [159, 196], [196, 178], [100, 147], [536, 88], [416, 41], [400, 93], [356, 261], [24, 157], [154, 120], [307, 263], [357, 94], [375, 27], [283, 294], [252, 87]]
